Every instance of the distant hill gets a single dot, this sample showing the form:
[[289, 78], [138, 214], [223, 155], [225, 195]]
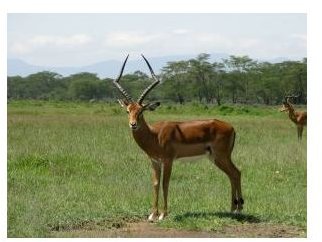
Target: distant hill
[[109, 68]]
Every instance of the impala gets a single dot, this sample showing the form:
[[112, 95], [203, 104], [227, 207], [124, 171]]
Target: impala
[[297, 117], [166, 141]]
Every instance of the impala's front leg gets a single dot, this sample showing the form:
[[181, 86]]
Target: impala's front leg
[[167, 167], [299, 132], [156, 173]]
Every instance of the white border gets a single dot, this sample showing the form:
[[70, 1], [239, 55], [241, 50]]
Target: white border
[[156, 6], [183, 6], [3, 130]]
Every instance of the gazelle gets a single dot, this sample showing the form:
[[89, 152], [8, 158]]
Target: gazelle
[[166, 141], [297, 117]]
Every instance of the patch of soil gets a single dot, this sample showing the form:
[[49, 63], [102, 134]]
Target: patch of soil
[[143, 229], [262, 230]]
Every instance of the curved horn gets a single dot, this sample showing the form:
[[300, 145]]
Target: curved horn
[[149, 88], [287, 98], [119, 87]]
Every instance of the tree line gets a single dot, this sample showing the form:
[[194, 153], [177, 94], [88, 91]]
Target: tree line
[[237, 79]]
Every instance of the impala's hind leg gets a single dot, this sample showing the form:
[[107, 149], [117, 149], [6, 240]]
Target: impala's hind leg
[[299, 132], [225, 164], [221, 151]]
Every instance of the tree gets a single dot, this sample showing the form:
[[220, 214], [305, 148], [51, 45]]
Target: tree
[[238, 78], [267, 87], [218, 79], [39, 85], [175, 76], [84, 86], [16, 87], [240, 67], [202, 72]]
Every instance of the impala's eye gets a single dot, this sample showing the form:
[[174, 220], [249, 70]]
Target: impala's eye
[[127, 111]]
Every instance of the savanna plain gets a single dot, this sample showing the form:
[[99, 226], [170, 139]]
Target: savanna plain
[[74, 170]]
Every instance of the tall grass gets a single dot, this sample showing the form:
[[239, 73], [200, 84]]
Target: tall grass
[[71, 163]]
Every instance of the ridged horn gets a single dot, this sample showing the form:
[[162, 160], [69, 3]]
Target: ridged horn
[[150, 87], [119, 87]]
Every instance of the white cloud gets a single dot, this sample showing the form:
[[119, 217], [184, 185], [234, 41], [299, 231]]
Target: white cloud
[[225, 43], [248, 43], [182, 41], [211, 40], [20, 48], [89, 38], [302, 37], [78, 39], [130, 39], [177, 41], [154, 43], [45, 41], [180, 31]]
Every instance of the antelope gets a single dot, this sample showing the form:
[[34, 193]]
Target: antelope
[[166, 141], [297, 117]]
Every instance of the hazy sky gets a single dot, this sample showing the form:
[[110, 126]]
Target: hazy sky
[[81, 39]]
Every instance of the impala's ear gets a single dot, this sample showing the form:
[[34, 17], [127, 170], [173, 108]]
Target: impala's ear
[[123, 103], [151, 106]]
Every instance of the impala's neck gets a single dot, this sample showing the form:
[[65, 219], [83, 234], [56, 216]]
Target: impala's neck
[[291, 113], [144, 136]]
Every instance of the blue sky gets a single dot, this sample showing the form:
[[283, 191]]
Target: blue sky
[[82, 39]]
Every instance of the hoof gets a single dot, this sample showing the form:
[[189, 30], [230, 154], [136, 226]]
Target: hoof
[[162, 216], [153, 217], [236, 211]]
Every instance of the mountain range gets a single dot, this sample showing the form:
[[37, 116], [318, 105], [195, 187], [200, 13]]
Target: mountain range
[[108, 68]]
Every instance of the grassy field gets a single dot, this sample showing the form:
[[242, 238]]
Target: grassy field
[[74, 164]]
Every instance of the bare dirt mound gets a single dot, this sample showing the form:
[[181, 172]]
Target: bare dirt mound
[[142, 229]]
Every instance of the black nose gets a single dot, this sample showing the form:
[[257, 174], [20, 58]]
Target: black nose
[[133, 125]]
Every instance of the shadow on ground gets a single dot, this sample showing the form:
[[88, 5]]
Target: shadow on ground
[[208, 215]]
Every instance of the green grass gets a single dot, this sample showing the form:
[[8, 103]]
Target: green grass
[[74, 163]]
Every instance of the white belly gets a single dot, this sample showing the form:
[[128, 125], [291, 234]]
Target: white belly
[[193, 151], [191, 158]]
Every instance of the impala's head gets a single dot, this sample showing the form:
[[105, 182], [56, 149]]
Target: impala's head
[[287, 106], [135, 109]]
